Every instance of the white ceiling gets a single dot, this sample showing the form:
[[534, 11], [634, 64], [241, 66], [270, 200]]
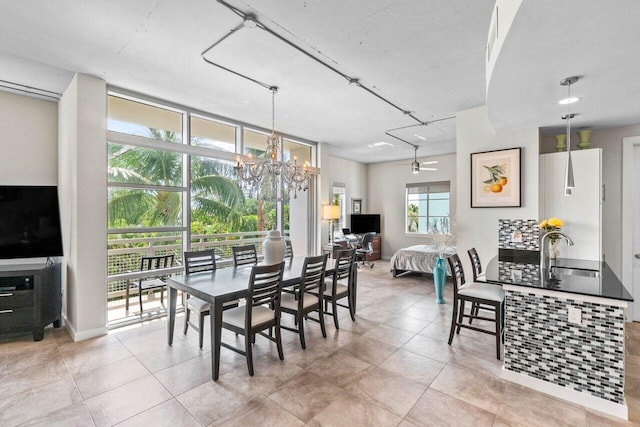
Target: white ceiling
[[426, 56], [551, 40]]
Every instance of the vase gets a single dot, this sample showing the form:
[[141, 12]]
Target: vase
[[561, 142], [553, 249], [273, 248], [439, 278], [585, 139]]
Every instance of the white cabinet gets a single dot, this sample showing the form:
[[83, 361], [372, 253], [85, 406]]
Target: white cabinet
[[582, 211]]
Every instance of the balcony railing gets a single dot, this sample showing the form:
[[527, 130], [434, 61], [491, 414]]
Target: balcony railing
[[124, 255]]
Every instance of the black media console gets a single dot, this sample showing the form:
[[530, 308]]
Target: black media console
[[30, 299]]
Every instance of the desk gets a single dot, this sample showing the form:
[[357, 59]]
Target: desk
[[224, 285]]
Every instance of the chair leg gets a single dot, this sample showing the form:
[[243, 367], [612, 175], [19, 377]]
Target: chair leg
[[201, 329], [453, 320], [127, 296], [498, 329], [279, 341], [352, 312], [321, 319], [301, 332], [161, 295], [248, 350], [474, 311], [460, 316], [187, 315], [140, 298], [334, 306]]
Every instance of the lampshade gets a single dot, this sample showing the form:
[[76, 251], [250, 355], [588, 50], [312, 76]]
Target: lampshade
[[331, 212]]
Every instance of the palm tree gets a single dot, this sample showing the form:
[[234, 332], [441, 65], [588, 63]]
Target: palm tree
[[412, 213], [213, 192]]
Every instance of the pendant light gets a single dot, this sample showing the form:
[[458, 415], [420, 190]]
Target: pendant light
[[569, 183]]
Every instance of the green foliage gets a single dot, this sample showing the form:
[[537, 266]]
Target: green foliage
[[218, 203]]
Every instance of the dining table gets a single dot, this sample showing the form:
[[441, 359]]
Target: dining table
[[229, 284]]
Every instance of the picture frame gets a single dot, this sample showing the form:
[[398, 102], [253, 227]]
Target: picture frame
[[356, 206], [496, 178]]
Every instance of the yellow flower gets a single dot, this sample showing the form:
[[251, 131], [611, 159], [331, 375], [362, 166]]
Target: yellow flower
[[555, 222], [543, 224]]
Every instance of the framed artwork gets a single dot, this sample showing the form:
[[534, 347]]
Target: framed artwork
[[495, 179], [356, 206]]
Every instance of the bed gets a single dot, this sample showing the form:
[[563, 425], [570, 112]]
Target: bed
[[418, 259]]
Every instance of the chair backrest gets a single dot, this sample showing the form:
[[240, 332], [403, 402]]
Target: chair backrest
[[313, 272], [457, 272], [196, 261], [288, 250], [265, 288], [367, 241], [344, 267], [246, 254], [155, 262], [475, 263]]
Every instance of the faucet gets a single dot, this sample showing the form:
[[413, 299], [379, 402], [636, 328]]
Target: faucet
[[544, 251]]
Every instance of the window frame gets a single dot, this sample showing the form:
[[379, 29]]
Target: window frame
[[427, 185]]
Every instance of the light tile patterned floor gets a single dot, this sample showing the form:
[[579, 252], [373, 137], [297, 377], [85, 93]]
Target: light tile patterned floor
[[391, 367]]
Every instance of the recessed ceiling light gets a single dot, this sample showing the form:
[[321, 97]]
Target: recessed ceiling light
[[568, 101], [420, 137], [380, 144]]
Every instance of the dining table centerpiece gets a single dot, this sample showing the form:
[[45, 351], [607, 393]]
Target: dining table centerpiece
[[551, 225]]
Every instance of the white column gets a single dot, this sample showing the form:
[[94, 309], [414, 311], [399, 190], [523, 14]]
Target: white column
[[82, 180]]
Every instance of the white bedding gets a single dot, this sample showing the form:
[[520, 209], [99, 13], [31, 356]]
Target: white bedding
[[418, 258]]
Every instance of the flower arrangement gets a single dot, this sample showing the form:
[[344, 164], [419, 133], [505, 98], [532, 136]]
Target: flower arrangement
[[551, 224], [442, 235]]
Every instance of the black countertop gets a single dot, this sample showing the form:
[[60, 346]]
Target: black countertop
[[527, 274]]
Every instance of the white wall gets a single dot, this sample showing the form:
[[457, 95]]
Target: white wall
[[580, 212], [29, 147], [387, 196], [82, 181], [337, 170], [478, 227], [610, 140]]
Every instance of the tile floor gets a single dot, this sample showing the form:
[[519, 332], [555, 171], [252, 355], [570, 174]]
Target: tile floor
[[391, 367]]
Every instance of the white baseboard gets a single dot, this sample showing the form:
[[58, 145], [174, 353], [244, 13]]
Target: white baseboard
[[591, 402], [84, 335]]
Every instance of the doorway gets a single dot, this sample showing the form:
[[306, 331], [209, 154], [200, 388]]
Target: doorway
[[631, 222]]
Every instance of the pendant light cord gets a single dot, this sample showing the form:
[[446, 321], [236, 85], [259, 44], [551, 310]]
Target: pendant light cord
[[569, 120]]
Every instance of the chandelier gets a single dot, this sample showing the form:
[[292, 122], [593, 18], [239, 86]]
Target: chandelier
[[272, 172]]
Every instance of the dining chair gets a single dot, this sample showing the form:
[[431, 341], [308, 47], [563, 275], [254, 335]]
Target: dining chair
[[474, 292], [476, 266], [307, 297], [262, 311], [288, 251], [245, 254], [336, 289], [149, 263], [195, 262]]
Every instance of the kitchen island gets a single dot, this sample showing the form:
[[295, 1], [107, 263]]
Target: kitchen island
[[564, 328]]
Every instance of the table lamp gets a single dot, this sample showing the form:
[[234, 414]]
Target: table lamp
[[331, 213]]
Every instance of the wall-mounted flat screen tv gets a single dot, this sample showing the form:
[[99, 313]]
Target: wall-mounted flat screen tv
[[365, 223], [29, 222]]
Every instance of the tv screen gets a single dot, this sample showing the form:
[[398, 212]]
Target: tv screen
[[365, 223], [29, 222]]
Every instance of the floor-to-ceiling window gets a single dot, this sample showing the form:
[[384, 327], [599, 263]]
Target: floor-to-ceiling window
[[172, 186]]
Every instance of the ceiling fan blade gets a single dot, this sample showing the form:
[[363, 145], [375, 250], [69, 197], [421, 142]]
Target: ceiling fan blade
[[432, 162], [428, 169]]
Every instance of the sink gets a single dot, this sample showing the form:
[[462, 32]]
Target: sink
[[569, 271]]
